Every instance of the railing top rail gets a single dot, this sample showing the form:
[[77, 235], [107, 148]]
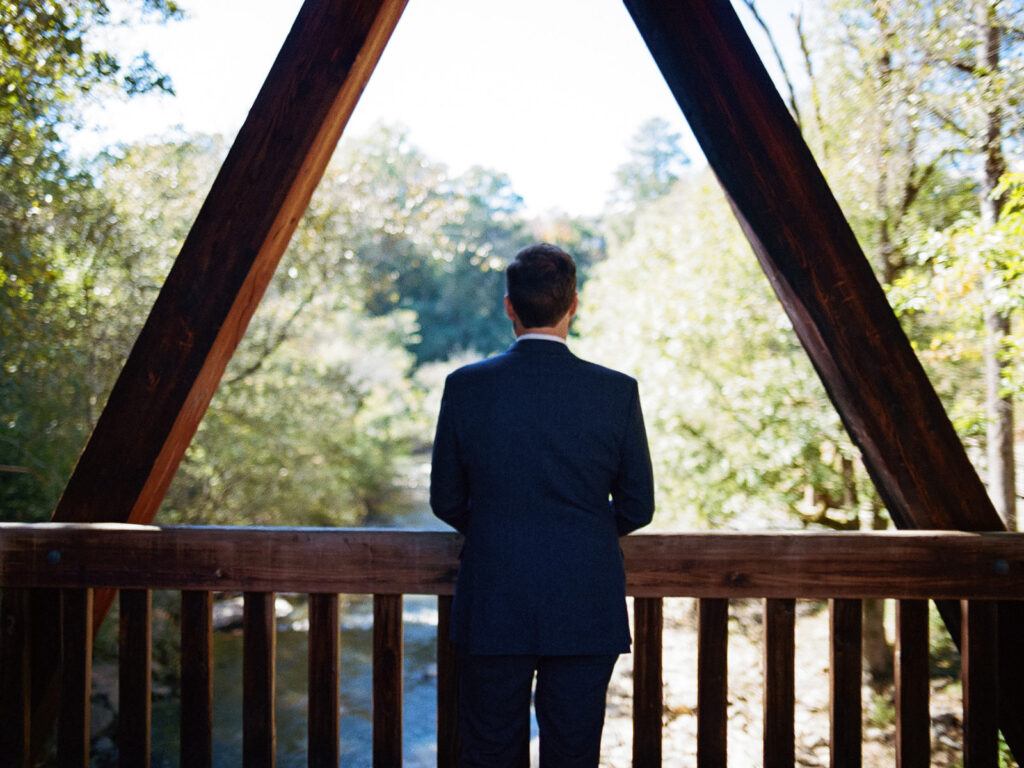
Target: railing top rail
[[901, 564]]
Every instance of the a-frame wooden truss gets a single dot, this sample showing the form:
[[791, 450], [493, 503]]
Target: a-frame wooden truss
[[801, 238]]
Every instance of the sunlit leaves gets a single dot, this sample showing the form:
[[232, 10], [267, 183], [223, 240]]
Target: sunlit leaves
[[741, 431]]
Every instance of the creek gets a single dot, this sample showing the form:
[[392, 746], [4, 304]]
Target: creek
[[419, 702], [419, 694]]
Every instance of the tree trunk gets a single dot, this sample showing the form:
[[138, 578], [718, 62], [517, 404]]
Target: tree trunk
[[883, 142], [1002, 484]]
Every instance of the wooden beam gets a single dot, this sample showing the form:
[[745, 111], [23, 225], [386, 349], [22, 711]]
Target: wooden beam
[[898, 564], [815, 264], [913, 720], [224, 266], [712, 683], [648, 699], [388, 652], [134, 678], [227, 260], [324, 682], [196, 720], [779, 743], [259, 680], [449, 741], [825, 283]]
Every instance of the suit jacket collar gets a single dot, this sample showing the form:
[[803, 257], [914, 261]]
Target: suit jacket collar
[[539, 347]]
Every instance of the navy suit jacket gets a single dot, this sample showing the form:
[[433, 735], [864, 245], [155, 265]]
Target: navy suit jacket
[[541, 461]]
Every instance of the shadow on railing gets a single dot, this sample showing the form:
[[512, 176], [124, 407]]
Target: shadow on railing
[[975, 569]]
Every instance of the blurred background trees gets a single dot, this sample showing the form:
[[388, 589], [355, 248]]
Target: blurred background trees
[[396, 275]]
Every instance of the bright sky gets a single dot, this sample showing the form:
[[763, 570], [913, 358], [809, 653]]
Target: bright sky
[[548, 91]]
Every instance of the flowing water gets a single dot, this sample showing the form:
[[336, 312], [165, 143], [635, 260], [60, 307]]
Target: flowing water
[[419, 722], [419, 694]]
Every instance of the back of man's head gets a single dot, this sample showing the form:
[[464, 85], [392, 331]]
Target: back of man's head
[[541, 284]]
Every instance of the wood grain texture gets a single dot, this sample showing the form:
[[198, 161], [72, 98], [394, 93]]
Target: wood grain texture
[[227, 260], [913, 723], [845, 622], [827, 287], [259, 643], [324, 681], [134, 678], [76, 678], [779, 682], [449, 745], [979, 668], [221, 273], [813, 261], [712, 683], [226, 263], [196, 725], [901, 564], [387, 681], [15, 679], [647, 694]]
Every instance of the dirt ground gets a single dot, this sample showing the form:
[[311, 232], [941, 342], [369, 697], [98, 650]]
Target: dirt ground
[[679, 744]]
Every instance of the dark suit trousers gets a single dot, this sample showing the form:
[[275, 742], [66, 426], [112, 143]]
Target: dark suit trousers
[[494, 709]]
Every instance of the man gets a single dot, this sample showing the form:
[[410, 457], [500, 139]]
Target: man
[[541, 461]]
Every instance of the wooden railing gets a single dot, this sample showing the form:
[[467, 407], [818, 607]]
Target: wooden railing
[[971, 572]]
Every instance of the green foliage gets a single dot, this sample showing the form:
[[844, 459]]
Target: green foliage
[[960, 270], [418, 239], [48, 63], [424, 241], [740, 428], [311, 438], [310, 417], [318, 406], [55, 233], [656, 162]]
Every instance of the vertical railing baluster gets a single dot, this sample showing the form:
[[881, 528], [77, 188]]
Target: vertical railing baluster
[[387, 681], [324, 682], [76, 678], [779, 694], [134, 676], [259, 727], [845, 621], [647, 694], [448, 744], [913, 724], [979, 670], [712, 683], [196, 679], [15, 678]]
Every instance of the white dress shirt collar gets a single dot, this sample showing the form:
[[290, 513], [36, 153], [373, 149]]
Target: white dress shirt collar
[[542, 337]]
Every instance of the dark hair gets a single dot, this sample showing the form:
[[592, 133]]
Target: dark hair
[[541, 284]]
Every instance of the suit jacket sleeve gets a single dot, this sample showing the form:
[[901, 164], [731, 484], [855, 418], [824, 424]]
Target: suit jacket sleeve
[[449, 490], [633, 488]]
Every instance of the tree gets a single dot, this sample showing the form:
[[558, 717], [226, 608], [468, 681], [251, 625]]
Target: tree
[[656, 161], [49, 66], [741, 430], [431, 243], [309, 420], [51, 219], [954, 94]]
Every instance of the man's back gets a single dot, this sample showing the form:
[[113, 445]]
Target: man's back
[[530, 445]]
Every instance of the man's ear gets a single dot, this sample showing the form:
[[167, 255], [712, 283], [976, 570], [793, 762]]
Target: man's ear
[[575, 304], [509, 311]]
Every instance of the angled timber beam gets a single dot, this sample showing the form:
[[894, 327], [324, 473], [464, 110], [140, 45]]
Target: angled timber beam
[[227, 260], [224, 266], [827, 287]]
